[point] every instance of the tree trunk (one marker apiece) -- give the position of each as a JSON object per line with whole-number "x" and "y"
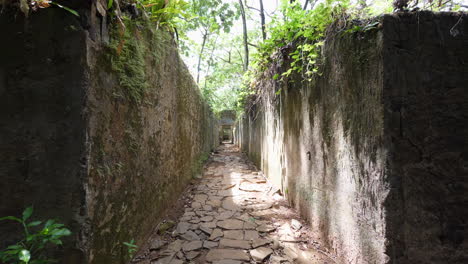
{"x": 246, "y": 41}
{"x": 305, "y": 5}
{"x": 262, "y": 19}
{"x": 209, "y": 61}
{"x": 205, "y": 36}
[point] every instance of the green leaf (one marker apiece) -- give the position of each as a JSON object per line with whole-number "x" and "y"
{"x": 130, "y": 245}
{"x": 56, "y": 241}
{"x": 49, "y": 223}
{"x": 61, "y": 232}
{"x": 35, "y": 223}
{"x": 109, "y": 4}
{"x": 14, "y": 247}
{"x": 371, "y": 26}
{"x": 11, "y": 218}
{"x": 27, "y": 213}
{"x": 24, "y": 256}
{"x": 67, "y": 8}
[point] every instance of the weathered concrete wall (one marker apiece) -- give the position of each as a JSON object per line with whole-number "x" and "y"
{"x": 335, "y": 145}
{"x": 100, "y": 128}
{"x": 42, "y": 127}
{"x": 426, "y": 125}
{"x": 142, "y": 154}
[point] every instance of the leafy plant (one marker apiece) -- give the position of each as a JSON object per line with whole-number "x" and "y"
{"x": 131, "y": 248}
{"x": 165, "y": 13}
{"x": 304, "y": 31}
{"x": 31, "y": 249}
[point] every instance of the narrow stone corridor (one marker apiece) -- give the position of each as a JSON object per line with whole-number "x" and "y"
{"x": 232, "y": 215}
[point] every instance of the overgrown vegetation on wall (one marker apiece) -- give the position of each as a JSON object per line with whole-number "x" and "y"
{"x": 127, "y": 59}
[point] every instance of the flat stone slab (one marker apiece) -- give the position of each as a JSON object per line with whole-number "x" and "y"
{"x": 209, "y": 244}
{"x": 196, "y": 205}
{"x": 200, "y": 197}
{"x": 214, "y": 203}
{"x": 227, "y": 261}
{"x": 231, "y": 224}
{"x": 207, "y": 218}
{"x": 192, "y": 254}
{"x": 157, "y": 244}
{"x": 250, "y": 187}
{"x": 261, "y": 253}
{"x": 185, "y": 218}
{"x": 260, "y": 242}
{"x": 225, "y": 215}
{"x": 251, "y": 235}
{"x": 215, "y": 198}
{"x": 229, "y": 204}
{"x": 277, "y": 259}
{"x": 234, "y": 243}
{"x": 182, "y": 227}
{"x": 210, "y": 225}
{"x": 223, "y": 254}
{"x": 291, "y": 253}
{"x": 190, "y": 236}
{"x": 168, "y": 260}
{"x": 193, "y": 245}
{"x": 206, "y": 230}
{"x": 234, "y": 234}
{"x": 216, "y": 233}
{"x": 266, "y": 228}
{"x": 250, "y": 225}
{"x": 195, "y": 221}
{"x": 225, "y": 193}
{"x": 176, "y": 245}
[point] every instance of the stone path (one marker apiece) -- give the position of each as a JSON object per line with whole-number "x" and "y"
{"x": 232, "y": 215}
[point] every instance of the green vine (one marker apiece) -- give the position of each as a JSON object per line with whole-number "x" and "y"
{"x": 304, "y": 31}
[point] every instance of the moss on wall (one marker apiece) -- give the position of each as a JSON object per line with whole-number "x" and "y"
{"x": 147, "y": 124}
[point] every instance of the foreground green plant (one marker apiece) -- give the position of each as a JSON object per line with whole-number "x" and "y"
{"x": 131, "y": 248}
{"x": 31, "y": 249}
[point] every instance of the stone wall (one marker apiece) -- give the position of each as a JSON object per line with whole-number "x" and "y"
{"x": 372, "y": 151}
{"x": 101, "y": 128}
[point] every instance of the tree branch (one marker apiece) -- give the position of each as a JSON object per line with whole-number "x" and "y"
{"x": 253, "y": 45}
{"x": 253, "y": 8}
